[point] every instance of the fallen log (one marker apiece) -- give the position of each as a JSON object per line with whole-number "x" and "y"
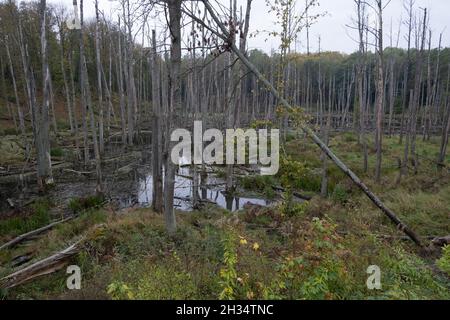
{"x": 295, "y": 194}
{"x": 46, "y": 266}
{"x": 441, "y": 241}
{"x": 21, "y": 260}
{"x": 12, "y": 178}
{"x": 80, "y": 173}
{"x": 188, "y": 199}
{"x": 33, "y": 233}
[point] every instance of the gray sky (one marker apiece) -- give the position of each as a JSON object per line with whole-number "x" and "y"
{"x": 332, "y": 27}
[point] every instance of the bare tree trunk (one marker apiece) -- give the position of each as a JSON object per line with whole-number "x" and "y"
{"x": 99, "y": 80}
{"x": 88, "y": 106}
{"x": 174, "y": 107}
{"x": 16, "y": 96}
{"x": 416, "y": 97}
{"x": 404, "y": 122}
{"x": 63, "y": 72}
{"x": 380, "y": 93}
{"x": 42, "y": 138}
{"x": 230, "y": 102}
{"x": 11, "y": 113}
{"x": 392, "y": 94}
{"x": 120, "y": 84}
{"x": 157, "y": 169}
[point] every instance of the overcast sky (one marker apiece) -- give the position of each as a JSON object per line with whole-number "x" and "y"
{"x": 331, "y": 27}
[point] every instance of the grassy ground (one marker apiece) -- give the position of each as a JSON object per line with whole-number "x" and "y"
{"x": 315, "y": 250}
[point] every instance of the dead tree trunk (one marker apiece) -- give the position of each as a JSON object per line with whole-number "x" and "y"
{"x": 174, "y": 107}
{"x": 99, "y": 80}
{"x": 156, "y": 131}
{"x": 380, "y": 93}
{"x": 446, "y": 126}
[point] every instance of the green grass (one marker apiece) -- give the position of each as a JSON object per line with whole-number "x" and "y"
{"x": 78, "y": 205}
{"x": 57, "y": 152}
{"x": 38, "y": 217}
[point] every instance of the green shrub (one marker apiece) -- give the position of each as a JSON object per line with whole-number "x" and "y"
{"x": 297, "y": 175}
{"x": 228, "y": 273}
{"x": 18, "y": 225}
{"x": 406, "y": 276}
{"x": 315, "y": 270}
{"x": 57, "y": 152}
{"x": 262, "y": 184}
{"x": 78, "y": 205}
{"x": 340, "y": 194}
{"x": 444, "y": 262}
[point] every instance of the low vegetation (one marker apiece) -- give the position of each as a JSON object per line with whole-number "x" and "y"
{"x": 319, "y": 249}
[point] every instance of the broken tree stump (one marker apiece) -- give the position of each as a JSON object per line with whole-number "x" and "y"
{"x": 46, "y": 266}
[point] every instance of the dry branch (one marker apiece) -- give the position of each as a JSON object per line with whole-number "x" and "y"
{"x": 46, "y": 266}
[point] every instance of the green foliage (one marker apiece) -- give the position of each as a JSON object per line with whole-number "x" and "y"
{"x": 10, "y": 132}
{"x": 38, "y": 217}
{"x": 57, "y": 152}
{"x": 261, "y": 124}
{"x": 166, "y": 281}
{"x": 444, "y": 262}
{"x": 340, "y": 194}
{"x": 228, "y": 274}
{"x": 295, "y": 209}
{"x": 316, "y": 271}
{"x": 120, "y": 291}
{"x": 262, "y": 184}
{"x": 349, "y": 137}
{"x": 297, "y": 175}
{"x": 78, "y": 205}
{"x": 405, "y": 276}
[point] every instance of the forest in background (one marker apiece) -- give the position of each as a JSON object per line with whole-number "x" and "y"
{"x": 73, "y": 100}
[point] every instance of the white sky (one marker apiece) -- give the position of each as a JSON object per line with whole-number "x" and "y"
{"x": 332, "y": 27}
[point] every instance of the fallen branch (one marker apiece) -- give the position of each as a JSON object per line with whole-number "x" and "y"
{"x": 46, "y": 266}
{"x": 80, "y": 173}
{"x": 33, "y": 233}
